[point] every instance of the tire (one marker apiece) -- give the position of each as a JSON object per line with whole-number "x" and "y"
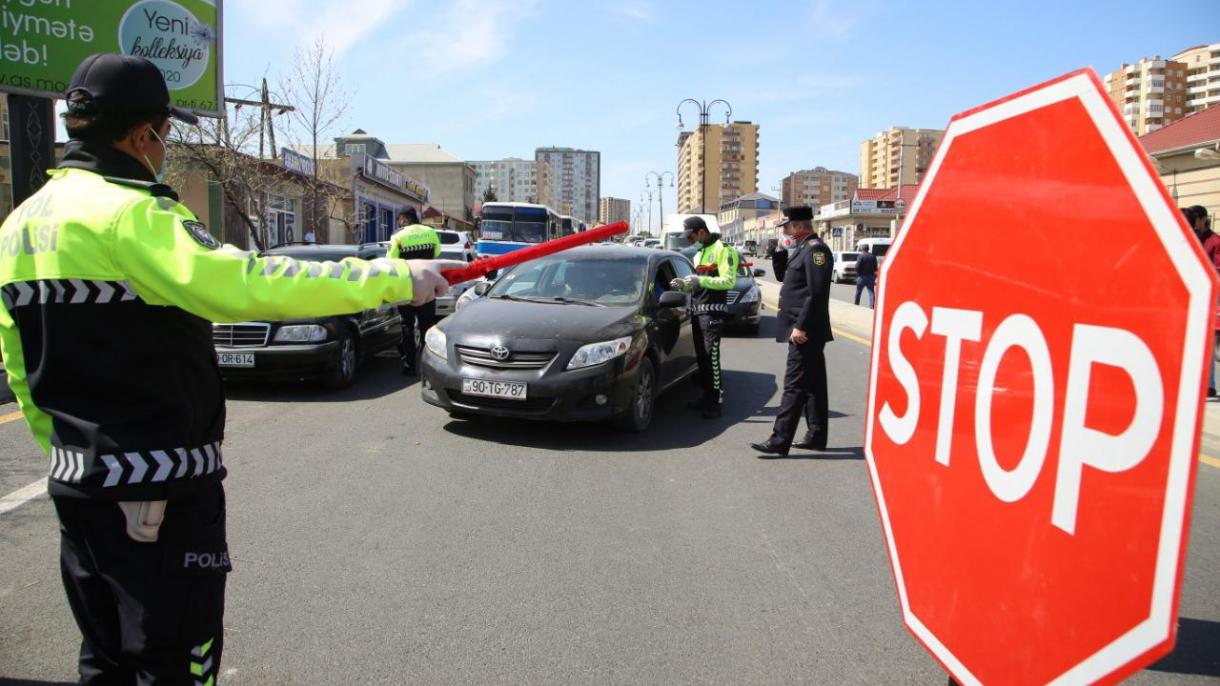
{"x": 643, "y": 400}
{"x": 344, "y": 372}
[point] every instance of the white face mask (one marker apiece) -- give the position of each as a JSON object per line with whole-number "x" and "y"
{"x": 158, "y": 173}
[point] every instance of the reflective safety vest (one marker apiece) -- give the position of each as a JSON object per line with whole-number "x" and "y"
{"x": 716, "y": 265}
{"x": 415, "y": 242}
{"x": 109, "y": 287}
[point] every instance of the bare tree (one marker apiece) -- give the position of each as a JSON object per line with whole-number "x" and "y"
{"x": 222, "y": 148}
{"x": 314, "y": 88}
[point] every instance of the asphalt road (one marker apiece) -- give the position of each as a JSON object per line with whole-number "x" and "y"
{"x": 377, "y": 541}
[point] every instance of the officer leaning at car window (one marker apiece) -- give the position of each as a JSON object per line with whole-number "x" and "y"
{"x": 715, "y": 273}
{"x": 109, "y": 286}
{"x": 804, "y": 322}
{"x": 414, "y": 241}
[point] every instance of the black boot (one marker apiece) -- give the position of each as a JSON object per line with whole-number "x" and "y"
{"x": 771, "y": 448}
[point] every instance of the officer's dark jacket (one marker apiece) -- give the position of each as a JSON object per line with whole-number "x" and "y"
{"x": 109, "y": 286}
{"x": 804, "y": 299}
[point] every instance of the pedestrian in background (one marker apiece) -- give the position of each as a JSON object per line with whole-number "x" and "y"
{"x": 1196, "y": 217}
{"x": 804, "y": 322}
{"x": 106, "y": 333}
{"x": 414, "y": 241}
{"x": 866, "y": 276}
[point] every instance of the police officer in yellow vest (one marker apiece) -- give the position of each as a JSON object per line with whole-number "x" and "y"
{"x": 109, "y": 287}
{"x": 715, "y": 273}
{"x": 414, "y": 241}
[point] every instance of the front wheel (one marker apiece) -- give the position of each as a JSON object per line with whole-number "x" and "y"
{"x": 643, "y": 400}
{"x": 345, "y": 365}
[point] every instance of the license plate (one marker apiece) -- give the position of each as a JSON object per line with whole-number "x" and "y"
{"x": 507, "y": 390}
{"x": 235, "y": 359}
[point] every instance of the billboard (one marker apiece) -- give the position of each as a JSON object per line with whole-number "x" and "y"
{"x": 44, "y": 40}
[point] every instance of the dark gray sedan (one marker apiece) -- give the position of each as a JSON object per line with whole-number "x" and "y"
{"x": 592, "y": 333}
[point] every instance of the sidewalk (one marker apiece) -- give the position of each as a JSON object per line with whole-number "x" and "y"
{"x": 855, "y": 323}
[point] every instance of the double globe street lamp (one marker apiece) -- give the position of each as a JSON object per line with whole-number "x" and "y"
{"x": 704, "y": 112}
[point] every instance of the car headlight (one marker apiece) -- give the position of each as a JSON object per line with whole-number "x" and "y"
{"x": 597, "y": 353}
{"x": 300, "y": 333}
{"x": 436, "y": 341}
{"x": 750, "y": 296}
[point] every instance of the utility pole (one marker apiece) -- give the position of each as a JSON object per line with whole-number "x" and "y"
{"x": 265, "y": 124}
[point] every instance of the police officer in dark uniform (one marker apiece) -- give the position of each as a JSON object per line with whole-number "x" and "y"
{"x": 109, "y": 287}
{"x": 804, "y": 322}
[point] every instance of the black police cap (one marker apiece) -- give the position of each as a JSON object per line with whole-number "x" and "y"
{"x": 693, "y": 224}
{"x": 122, "y": 84}
{"x": 800, "y": 213}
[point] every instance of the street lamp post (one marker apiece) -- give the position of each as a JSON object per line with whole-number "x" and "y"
{"x": 648, "y": 192}
{"x": 660, "y": 194}
{"x": 704, "y": 111}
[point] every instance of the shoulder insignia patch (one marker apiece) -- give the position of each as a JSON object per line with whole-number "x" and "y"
{"x": 200, "y": 234}
{"x": 819, "y": 258}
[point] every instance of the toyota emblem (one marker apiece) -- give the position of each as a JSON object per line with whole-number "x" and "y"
{"x": 500, "y": 353}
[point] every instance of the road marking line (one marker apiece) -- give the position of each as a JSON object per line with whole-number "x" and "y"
{"x": 21, "y": 496}
{"x": 851, "y": 337}
{"x": 1210, "y": 461}
{"x": 10, "y": 417}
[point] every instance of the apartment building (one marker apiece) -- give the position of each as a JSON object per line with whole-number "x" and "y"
{"x": 612, "y": 210}
{"x": 1202, "y": 64}
{"x": 576, "y": 188}
{"x": 716, "y": 165}
{"x": 897, "y": 156}
{"x": 514, "y": 180}
{"x": 1150, "y": 93}
{"x": 818, "y": 186}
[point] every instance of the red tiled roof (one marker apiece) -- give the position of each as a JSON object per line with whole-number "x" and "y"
{"x": 1195, "y": 129}
{"x": 909, "y": 191}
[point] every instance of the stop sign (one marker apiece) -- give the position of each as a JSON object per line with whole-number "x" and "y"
{"x": 1035, "y": 394}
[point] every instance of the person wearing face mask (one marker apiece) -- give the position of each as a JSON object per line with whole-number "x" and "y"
{"x": 716, "y": 273}
{"x": 804, "y": 324}
{"x": 109, "y": 286}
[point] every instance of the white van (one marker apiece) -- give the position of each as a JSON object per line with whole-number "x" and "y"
{"x": 671, "y": 229}
{"x": 877, "y": 246}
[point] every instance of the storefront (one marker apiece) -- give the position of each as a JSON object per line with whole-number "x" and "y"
{"x": 843, "y": 223}
{"x": 380, "y": 192}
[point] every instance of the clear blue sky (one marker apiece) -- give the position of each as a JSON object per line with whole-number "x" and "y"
{"x": 496, "y": 78}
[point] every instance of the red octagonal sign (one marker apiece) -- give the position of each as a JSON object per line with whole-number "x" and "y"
{"x": 1036, "y": 391}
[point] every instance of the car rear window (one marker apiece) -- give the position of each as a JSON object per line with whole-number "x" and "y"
{"x": 849, "y": 256}
{"x": 448, "y": 237}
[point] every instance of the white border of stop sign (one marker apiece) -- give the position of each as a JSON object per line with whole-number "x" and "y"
{"x": 1162, "y": 216}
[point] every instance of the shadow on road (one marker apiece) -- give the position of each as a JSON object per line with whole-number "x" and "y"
{"x": 673, "y": 425}
{"x": 1197, "y": 652}
{"x": 5, "y": 681}
{"x": 375, "y": 378}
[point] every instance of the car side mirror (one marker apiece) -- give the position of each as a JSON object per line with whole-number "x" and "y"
{"x": 672, "y": 299}
{"x": 481, "y": 288}
{"x": 760, "y": 272}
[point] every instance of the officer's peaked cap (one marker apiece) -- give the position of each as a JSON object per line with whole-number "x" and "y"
{"x": 122, "y": 84}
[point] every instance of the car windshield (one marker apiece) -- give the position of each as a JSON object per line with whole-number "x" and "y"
{"x": 496, "y": 230}
{"x": 612, "y": 282}
{"x": 530, "y": 232}
{"x": 675, "y": 241}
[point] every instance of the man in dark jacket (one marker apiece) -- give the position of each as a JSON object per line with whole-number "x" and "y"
{"x": 866, "y": 276}
{"x": 804, "y": 322}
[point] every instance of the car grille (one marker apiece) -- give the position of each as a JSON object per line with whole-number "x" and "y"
{"x": 732, "y": 297}
{"x": 480, "y": 357}
{"x": 245, "y": 335}
{"x": 529, "y": 404}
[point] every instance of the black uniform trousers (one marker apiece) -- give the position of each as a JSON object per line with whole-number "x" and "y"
{"x": 149, "y": 613}
{"x": 425, "y": 317}
{"x": 805, "y": 394}
{"x": 708, "y": 329}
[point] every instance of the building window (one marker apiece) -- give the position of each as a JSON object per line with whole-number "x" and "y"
{"x": 282, "y": 218}
{"x": 354, "y": 148}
